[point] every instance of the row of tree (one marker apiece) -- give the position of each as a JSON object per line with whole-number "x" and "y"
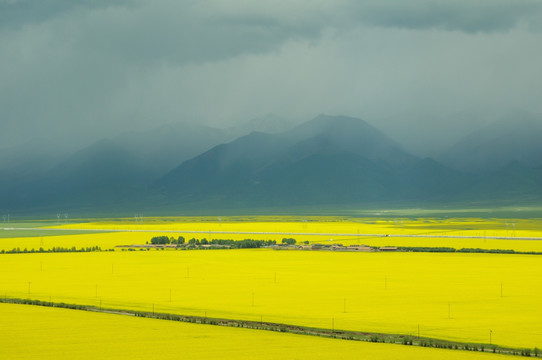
{"x": 239, "y": 244}
{"x": 163, "y": 240}
{"x": 53, "y": 249}
{"x": 466, "y": 250}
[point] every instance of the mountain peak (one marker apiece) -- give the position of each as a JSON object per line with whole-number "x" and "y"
{"x": 326, "y": 133}
{"x": 330, "y": 123}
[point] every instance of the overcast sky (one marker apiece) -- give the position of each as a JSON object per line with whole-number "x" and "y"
{"x": 96, "y": 67}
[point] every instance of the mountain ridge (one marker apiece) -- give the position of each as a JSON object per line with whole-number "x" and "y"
{"x": 326, "y": 160}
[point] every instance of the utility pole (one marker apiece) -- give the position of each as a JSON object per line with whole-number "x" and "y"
{"x": 344, "y": 305}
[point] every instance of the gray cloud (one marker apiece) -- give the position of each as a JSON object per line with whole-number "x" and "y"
{"x": 192, "y": 31}
{"x": 17, "y": 13}
{"x": 173, "y": 31}
{"x": 466, "y": 16}
{"x": 92, "y": 68}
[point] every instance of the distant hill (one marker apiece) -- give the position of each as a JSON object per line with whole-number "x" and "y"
{"x": 167, "y": 146}
{"x": 427, "y": 135}
{"x": 223, "y": 170}
{"x": 330, "y": 159}
{"x": 32, "y": 158}
{"x": 514, "y": 182}
{"x": 513, "y": 138}
{"x": 47, "y": 172}
{"x": 98, "y": 174}
{"x": 332, "y": 134}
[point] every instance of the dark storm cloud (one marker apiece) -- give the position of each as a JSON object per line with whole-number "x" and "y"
{"x": 192, "y": 31}
{"x": 182, "y": 37}
{"x": 97, "y": 67}
{"x": 459, "y": 15}
{"x": 189, "y": 31}
{"x": 195, "y": 32}
{"x": 17, "y": 13}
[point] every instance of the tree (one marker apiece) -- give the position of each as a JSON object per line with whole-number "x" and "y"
{"x": 160, "y": 240}
{"x": 288, "y": 241}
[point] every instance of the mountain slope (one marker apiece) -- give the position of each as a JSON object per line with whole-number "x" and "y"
{"x": 325, "y": 178}
{"x": 167, "y": 146}
{"x": 326, "y": 160}
{"x": 224, "y": 169}
{"x": 331, "y": 134}
{"x": 427, "y": 135}
{"x": 515, "y": 182}
{"x": 98, "y": 174}
{"x": 513, "y": 138}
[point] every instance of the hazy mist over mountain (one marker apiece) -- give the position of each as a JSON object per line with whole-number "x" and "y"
{"x": 102, "y": 93}
{"x": 329, "y": 160}
{"x": 86, "y": 70}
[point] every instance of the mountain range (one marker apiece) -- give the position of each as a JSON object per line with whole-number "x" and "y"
{"x": 333, "y": 160}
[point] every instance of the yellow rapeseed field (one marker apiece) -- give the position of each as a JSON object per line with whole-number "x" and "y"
{"x": 31, "y": 332}
{"x": 482, "y": 228}
{"x": 321, "y": 224}
{"x": 103, "y": 240}
{"x": 450, "y": 296}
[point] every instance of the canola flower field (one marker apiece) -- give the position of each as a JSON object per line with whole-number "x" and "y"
{"x": 484, "y": 298}
{"x": 450, "y": 296}
{"x": 67, "y": 334}
{"x": 481, "y": 231}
